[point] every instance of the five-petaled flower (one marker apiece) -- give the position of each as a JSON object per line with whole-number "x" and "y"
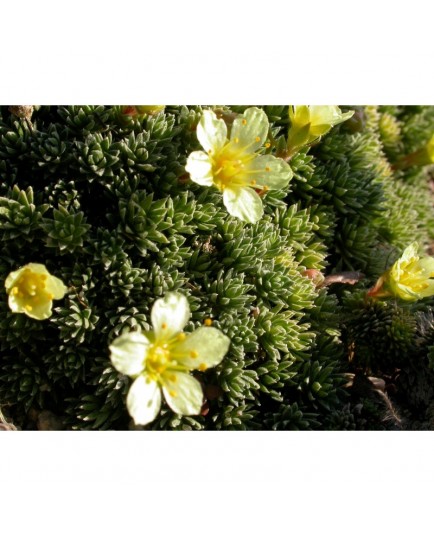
{"x": 233, "y": 165}
{"x": 160, "y": 360}
{"x": 308, "y": 123}
{"x": 410, "y": 278}
{"x": 32, "y": 289}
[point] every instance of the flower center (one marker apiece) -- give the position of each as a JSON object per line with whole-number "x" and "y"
{"x": 229, "y": 166}
{"x": 31, "y": 288}
{"x": 412, "y": 275}
{"x": 157, "y": 359}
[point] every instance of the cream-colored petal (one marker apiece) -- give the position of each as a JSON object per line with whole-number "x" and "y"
{"x": 403, "y": 291}
{"x": 428, "y": 291}
{"x": 170, "y": 315}
{"x": 211, "y": 132}
{"x": 34, "y": 267}
{"x": 323, "y": 118}
{"x": 37, "y": 268}
{"x": 299, "y": 115}
{"x": 128, "y": 353}
{"x": 410, "y": 253}
{"x": 144, "y": 400}
{"x": 16, "y": 305}
{"x": 13, "y": 277}
{"x": 55, "y": 287}
{"x": 269, "y": 171}
{"x": 182, "y": 392}
{"x": 243, "y": 203}
{"x": 316, "y": 131}
{"x": 40, "y": 311}
{"x": 202, "y": 349}
{"x": 324, "y": 115}
{"x": 199, "y": 166}
{"x": 250, "y": 130}
{"x": 426, "y": 264}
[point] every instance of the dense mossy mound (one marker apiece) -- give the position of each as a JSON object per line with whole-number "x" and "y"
{"x": 101, "y": 197}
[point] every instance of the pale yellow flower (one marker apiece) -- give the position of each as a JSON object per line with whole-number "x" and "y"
{"x": 308, "y": 123}
{"x": 32, "y": 289}
{"x": 160, "y": 360}
{"x": 410, "y": 278}
{"x": 233, "y": 165}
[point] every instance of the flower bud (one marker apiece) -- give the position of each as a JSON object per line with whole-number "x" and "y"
{"x": 309, "y": 123}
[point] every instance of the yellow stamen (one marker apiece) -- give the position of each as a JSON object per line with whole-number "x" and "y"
{"x": 236, "y": 140}
{"x": 257, "y": 138}
{"x": 265, "y": 189}
{"x": 267, "y": 169}
{"x": 181, "y": 336}
{"x": 164, "y": 325}
{"x": 268, "y": 145}
{"x": 244, "y": 121}
{"x": 194, "y": 354}
{"x": 202, "y": 367}
{"x": 15, "y": 291}
{"x": 28, "y": 307}
{"x": 172, "y": 393}
{"x": 207, "y": 322}
{"x": 172, "y": 378}
{"x": 253, "y": 182}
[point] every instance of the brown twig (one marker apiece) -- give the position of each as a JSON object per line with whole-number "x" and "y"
{"x": 346, "y": 278}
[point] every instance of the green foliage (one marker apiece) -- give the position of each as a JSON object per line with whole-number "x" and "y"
{"x": 20, "y": 217}
{"x": 103, "y": 200}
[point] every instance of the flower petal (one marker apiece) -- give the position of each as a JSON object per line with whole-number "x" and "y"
{"x": 403, "y": 291}
{"x": 328, "y": 116}
{"x": 211, "y": 132}
{"x": 199, "y": 166}
{"x": 346, "y": 115}
{"x": 315, "y": 131}
{"x": 202, "y": 349}
{"x": 269, "y": 171}
{"x": 428, "y": 290}
{"x": 170, "y": 315}
{"x": 55, "y": 287}
{"x": 182, "y": 392}
{"x": 325, "y": 115}
{"x": 144, "y": 400}
{"x": 243, "y": 203}
{"x": 426, "y": 264}
{"x": 250, "y": 130}
{"x": 410, "y": 253}
{"x": 408, "y": 256}
{"x": 13, "y": 277}
{"x": 40, "y": 310}
{"x": 128, "y": 353}
{"x": 299, "y": 115}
